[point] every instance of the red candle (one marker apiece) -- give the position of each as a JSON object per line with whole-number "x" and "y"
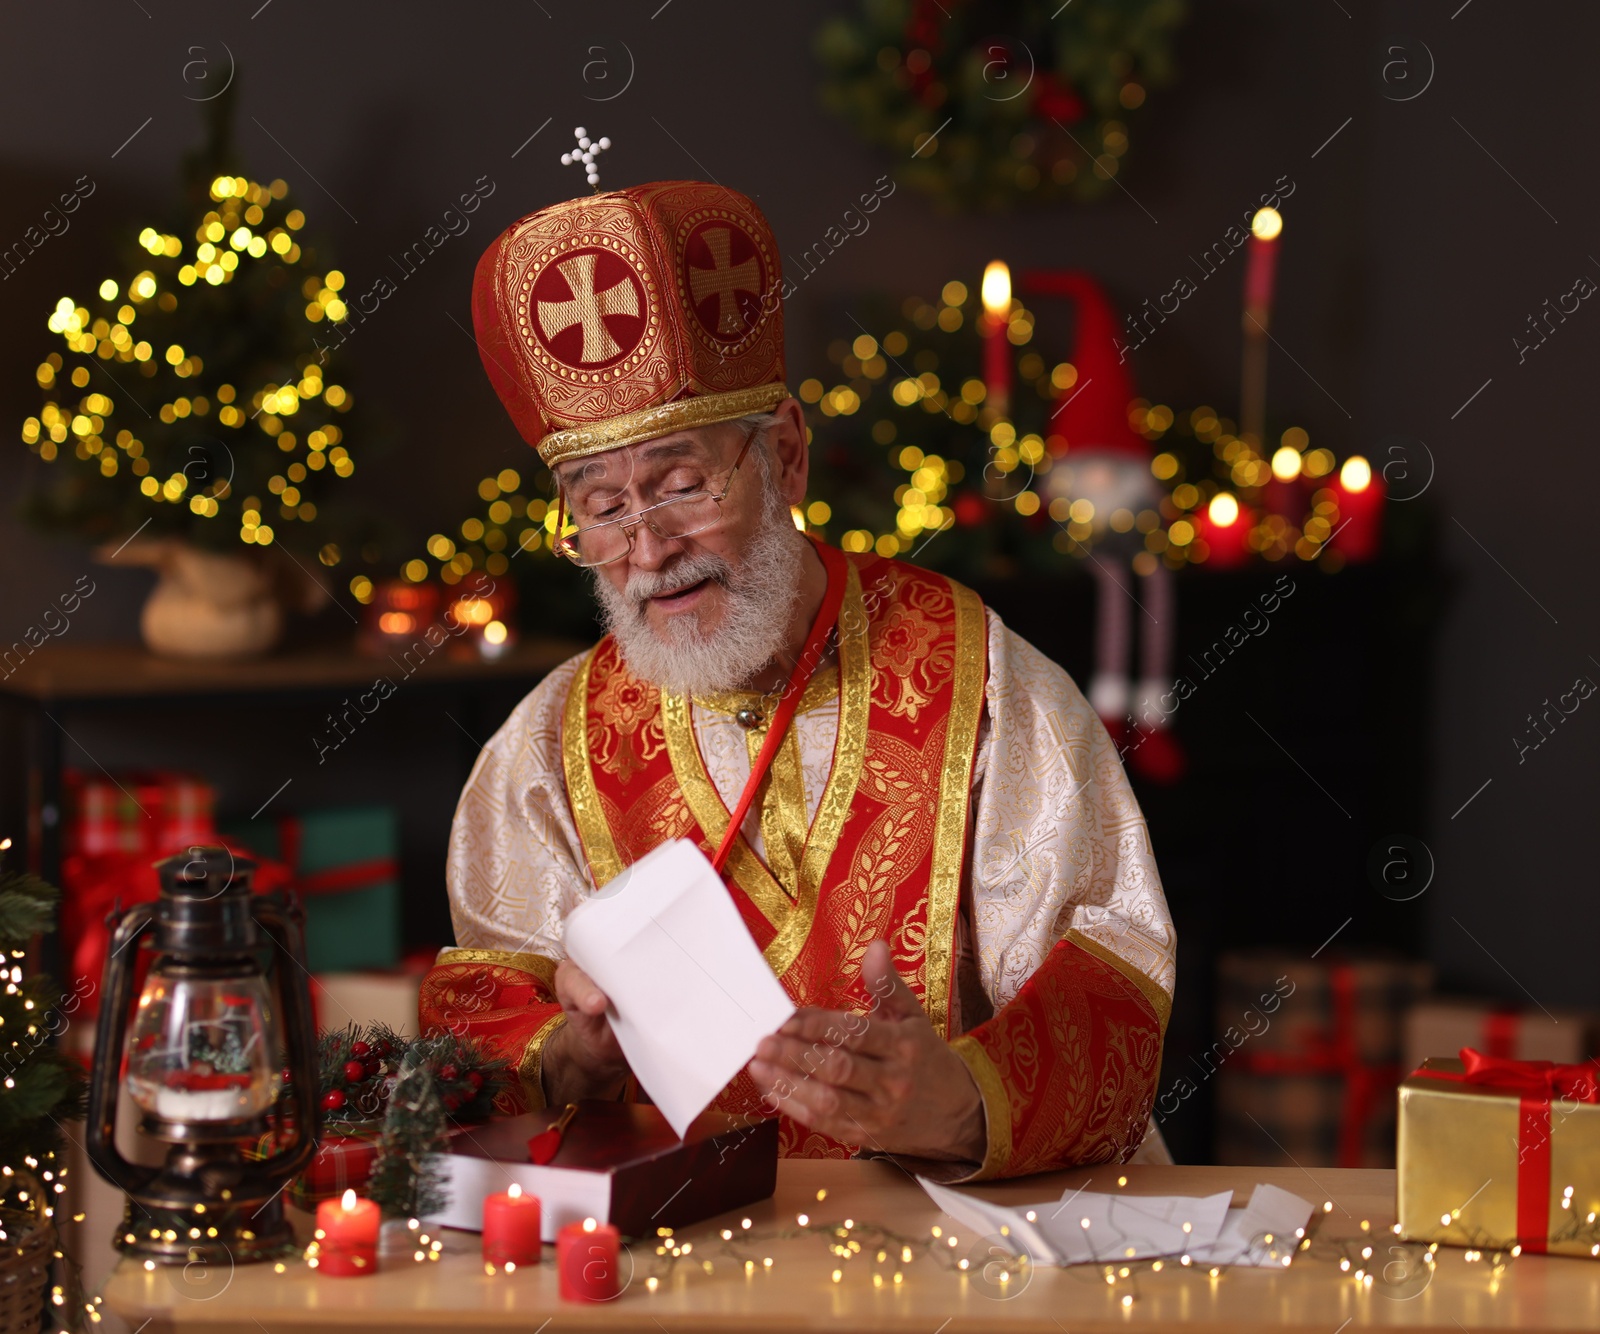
{"x": 996, "y": 293}
{"x": 1225, "y": 527}
{"x": 1261, "y": 263}
{"x": 347, "y": 1236}
{"x": 1358, "y": 531}
{"x": 586, "y": 1254}
{"x": 511, "y": 1229}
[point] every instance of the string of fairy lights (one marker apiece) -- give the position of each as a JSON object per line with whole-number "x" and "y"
{"x": 1213, "y": 476}
{"x": 1367, "y": 1259}
{"x": 136, "y": 325}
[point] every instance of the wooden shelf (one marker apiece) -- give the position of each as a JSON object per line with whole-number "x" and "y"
{"x": 106, "y": 673}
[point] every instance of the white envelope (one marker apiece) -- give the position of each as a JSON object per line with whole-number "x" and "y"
{"x": 691, "y": 994}
{"x": 1136, "y": 1227}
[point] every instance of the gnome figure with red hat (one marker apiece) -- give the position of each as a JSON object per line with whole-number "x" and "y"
{"x": 1099, "y": 458}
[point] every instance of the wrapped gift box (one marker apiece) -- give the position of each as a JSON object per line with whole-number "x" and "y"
{"x": 347, "y": 868}
{"x": 1442, "y": 1026}
{"x": 1307, "y": 1057}
{"x": 118, "y": 827}
{"x": 388, "y": 997}
{"x": 1489, "y": 1150}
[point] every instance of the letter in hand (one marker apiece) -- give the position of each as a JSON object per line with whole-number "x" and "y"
{"x": 582, "y": 1058}
{"x": 885, "y": 1080}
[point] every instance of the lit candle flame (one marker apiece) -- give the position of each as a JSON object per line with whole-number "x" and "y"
{"x": 1224, "y": 512}
{"x": 1356, "y": 475}
{"x": 515, "y": 1190}
{"x": 1266, "y": 224}
{"x": 997, "y": 288}
{"x": 348, "y": 1200}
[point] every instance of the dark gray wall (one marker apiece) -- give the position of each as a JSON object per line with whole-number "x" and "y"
{"x": 1420, "y": 235}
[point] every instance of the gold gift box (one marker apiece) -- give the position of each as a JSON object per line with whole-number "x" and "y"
{"x": 1458, "y": 1160}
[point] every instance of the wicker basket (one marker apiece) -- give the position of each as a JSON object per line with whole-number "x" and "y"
{"x": 25, "y": 1258}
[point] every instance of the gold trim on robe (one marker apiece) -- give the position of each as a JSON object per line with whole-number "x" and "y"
{"x": 536, "y": 965}
{"x": 955, "y": 792}
{"x": 530, "y": 1069}
{"x": 593, "y": 829}
{"x": 996, "y": 1107}
{"x": 1152, "y": 991}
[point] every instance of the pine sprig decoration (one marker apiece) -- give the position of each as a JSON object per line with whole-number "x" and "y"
{"x": 419, "y": 1088}
{"x": 406, "y": 1182}
{"x": 27, "y": 908}
{"x": 40, "y": 1086}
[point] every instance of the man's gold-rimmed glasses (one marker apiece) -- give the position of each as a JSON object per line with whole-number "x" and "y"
{"x": 679, "y": 516}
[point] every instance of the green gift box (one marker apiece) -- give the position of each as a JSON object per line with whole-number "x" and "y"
{"x": 347, "y": 869}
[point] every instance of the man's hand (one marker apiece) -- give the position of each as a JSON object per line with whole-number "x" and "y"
{"x": 884, "y": 1079}
{"x": 581, "y": 1058}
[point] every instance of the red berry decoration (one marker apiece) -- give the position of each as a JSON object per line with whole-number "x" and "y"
{"x": 374, "y": 1067}
{"x": 474, "y": 1079}
{"x": 288, "y": 1075}
{"x": 332, "y": 1100}
{"x": 449, "y": 1073}
{"x": 360, "y": 1049}
{"x": 354, "y": 1072}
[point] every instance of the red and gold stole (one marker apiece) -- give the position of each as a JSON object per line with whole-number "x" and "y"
{"x": 883, "y": 856}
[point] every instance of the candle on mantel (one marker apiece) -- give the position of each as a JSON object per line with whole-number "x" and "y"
{"x": 586, "y": 1255}
{"x": 347, "y": 1236}
{"x": 1225, "y": 525}
{"x": 996, "y": 292}
{"x": 1261, "y": 263}
{"x": 511, "y": 1229}
{"x": 1358, "y": 530}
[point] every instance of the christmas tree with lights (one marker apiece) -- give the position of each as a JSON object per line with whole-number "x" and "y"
{"x": 40, "y": 1086}
{"x": 189, "y": 395}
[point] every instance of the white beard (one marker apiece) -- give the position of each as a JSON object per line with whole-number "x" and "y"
{"x": 758, "y": 601}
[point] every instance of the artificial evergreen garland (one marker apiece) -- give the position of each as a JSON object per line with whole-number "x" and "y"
{"x": 911, "y": 459}
{"x": 988, "y": 104}
{"x": 408, "y": 1093}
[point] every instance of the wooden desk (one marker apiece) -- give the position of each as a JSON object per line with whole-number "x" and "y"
{"x": 455, "y": 1295}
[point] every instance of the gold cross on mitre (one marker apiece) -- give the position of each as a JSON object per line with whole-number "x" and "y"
{"x": 586, "y": 152}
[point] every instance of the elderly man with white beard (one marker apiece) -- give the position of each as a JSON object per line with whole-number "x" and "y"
{"x": 936, "y": 829}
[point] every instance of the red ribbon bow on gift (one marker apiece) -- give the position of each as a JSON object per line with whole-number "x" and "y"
{"x": 1537, "y": 1084}
{"x": 1540, "y": 1079}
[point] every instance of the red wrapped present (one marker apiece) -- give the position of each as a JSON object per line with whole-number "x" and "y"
{"x": 117, "y": 829}
{"x": 1309, "y": 1057}
{"x": 1442, "y": 1026}
{"x": 343, "y": 1161}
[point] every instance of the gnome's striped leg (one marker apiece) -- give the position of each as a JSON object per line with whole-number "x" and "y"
{"x": 1113, "y": 640}
{"x": 1155, "y": 648}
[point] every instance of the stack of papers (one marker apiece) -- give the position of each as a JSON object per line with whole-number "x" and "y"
{"x": 1084, "y": 1228}
{"x": 691, "y": 994}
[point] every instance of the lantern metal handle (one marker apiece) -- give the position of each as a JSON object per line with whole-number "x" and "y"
{"x": 281, "y": 921}
{"x": 110, "y": 1033}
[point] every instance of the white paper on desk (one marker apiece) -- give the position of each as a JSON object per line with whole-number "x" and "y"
{"x": 1130, "y": 1227}
{"x": 691, "y": 994}
{"x": 1271, "y": 1211}
{"x": 1121, "y": 1226}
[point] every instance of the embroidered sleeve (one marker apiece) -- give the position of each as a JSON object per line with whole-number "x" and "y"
{"x": 1074, "y": 943}
{"x": 514, "y": 870}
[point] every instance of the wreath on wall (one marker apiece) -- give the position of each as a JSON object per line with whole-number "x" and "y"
{"x": 989, "y": 104}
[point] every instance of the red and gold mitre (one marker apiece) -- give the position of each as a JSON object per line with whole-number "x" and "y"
{"x": 619, "y": 317}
